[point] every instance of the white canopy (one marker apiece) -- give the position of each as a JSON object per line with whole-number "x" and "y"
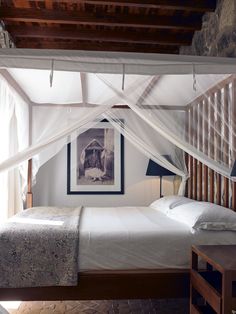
{"x": 67, "y": 91}
{"x": 113, "y": 62}
{"x": 85, "y": 88}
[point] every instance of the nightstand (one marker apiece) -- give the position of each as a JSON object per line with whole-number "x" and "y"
{"x": 213, "y": 289}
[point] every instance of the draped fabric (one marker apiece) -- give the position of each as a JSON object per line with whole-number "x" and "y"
{"x": 176, "y": 105}
{"x": 13, "y": 137}
{"x": 217, "y": 131}
{"x": 147, "y": 140}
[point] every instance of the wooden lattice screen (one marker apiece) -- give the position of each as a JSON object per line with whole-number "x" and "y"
{"x": 211, "y": 114}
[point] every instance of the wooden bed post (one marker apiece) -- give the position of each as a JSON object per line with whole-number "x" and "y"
{"x": 234, "y": 196}
{"x": 218, "y": 143}
{"x": 212, "y": 149}
{"x": 195, "y": 141}
{"x": 200, "y": 143}
{"x": 206, "y": 130}
{"x": 226, "y": 142}
{"x": 233, "y": 140}
{"x": 190, "y": 185}
{"x": 29, "y": 196}
{"x": 186, "y": 154}
{"x": 187, "y": 166}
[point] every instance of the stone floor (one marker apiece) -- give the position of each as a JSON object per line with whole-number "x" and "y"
{"x": 110, "y": 307}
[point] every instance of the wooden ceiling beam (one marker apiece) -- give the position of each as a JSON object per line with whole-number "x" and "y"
{"x": 32, "y": 43}
{"x": 107, "y": 19}
{"x": 186, "y": 5}
{"x": 161, "y": 37}
{"x": 183, "y": 5}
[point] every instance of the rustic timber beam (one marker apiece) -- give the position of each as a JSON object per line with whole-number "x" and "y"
{"x": 185, "y": 5}
{"x": 104, "y": 19}
{"x": 34, "y": 43}
{"x": 161, "y": 37}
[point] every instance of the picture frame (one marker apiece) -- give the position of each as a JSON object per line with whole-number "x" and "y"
{"x": 95, "y": 161}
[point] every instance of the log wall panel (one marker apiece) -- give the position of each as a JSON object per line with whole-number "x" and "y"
{"x": 187, "y": 183}
{"x": 195, "y": 187}
{"x": 190, "y": 191}
{"x": 199, "y": 175}
{"x": 187, "y": 155}
{"x": 205, "y": 150}
{"x": 233, "y": 117}
{"x": 200, "y": 147}
{"x": 195, "y": 144}
{"x": 190, "y": 157}
{"x": 218, "y": 144}
{"x": 212, "y": 147}
{"x": 216, "y": 116}
{"x": 226, "y": 143}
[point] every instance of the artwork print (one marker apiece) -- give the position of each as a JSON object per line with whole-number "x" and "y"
{"x": 95, "y": 161}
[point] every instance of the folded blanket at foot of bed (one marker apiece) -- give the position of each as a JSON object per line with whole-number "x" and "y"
{"x": 39, "y": 247}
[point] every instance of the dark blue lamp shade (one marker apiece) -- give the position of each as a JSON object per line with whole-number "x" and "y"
{"x": 154, "y": 169}
{"x": 233, "y": 170}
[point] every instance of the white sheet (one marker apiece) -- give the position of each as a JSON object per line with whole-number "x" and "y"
{"x": 124, "y": 238}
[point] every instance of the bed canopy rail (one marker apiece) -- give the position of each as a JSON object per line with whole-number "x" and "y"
{"x": 215, "y": 108}
{"x": 29, "y": 195}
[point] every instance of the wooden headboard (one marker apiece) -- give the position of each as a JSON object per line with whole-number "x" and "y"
{"x": 204, "y": 184}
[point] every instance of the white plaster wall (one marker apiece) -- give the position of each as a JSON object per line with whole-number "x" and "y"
{"x": 140, "y": 190}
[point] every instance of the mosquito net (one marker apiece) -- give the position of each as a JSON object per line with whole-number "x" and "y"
{"x": 164, "y": 105}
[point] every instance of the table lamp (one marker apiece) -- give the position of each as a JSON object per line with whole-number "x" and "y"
{"x": 154, "y": 169}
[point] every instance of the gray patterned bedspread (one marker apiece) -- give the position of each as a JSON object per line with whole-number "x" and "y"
{"x": 39, "y": 247}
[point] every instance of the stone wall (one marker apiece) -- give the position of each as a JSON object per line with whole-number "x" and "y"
{"x": 5, "y": 38}
{"x": 218, "y": 34}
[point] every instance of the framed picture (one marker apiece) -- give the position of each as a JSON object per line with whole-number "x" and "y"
{"x": 95, "y": 161}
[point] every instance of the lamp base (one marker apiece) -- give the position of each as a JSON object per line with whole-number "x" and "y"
{"x": 161, "y": 187}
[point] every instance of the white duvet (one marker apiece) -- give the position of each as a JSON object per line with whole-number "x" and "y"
{"x": 125, "y": 238}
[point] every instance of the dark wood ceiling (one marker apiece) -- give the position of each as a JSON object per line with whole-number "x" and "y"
{"x": 159, "y": 26}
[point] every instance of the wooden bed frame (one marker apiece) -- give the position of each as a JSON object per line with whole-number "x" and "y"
{"x": 202, "y": 185}
{"x": 110, "y": 285}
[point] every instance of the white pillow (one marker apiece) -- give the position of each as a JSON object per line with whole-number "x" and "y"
{"x": 167, "y": 203}
{"x": 204, "y": 215}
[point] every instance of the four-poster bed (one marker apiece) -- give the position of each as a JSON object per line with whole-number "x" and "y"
{"x": 111, "y": 284}
{"x": 152, "y": 283}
